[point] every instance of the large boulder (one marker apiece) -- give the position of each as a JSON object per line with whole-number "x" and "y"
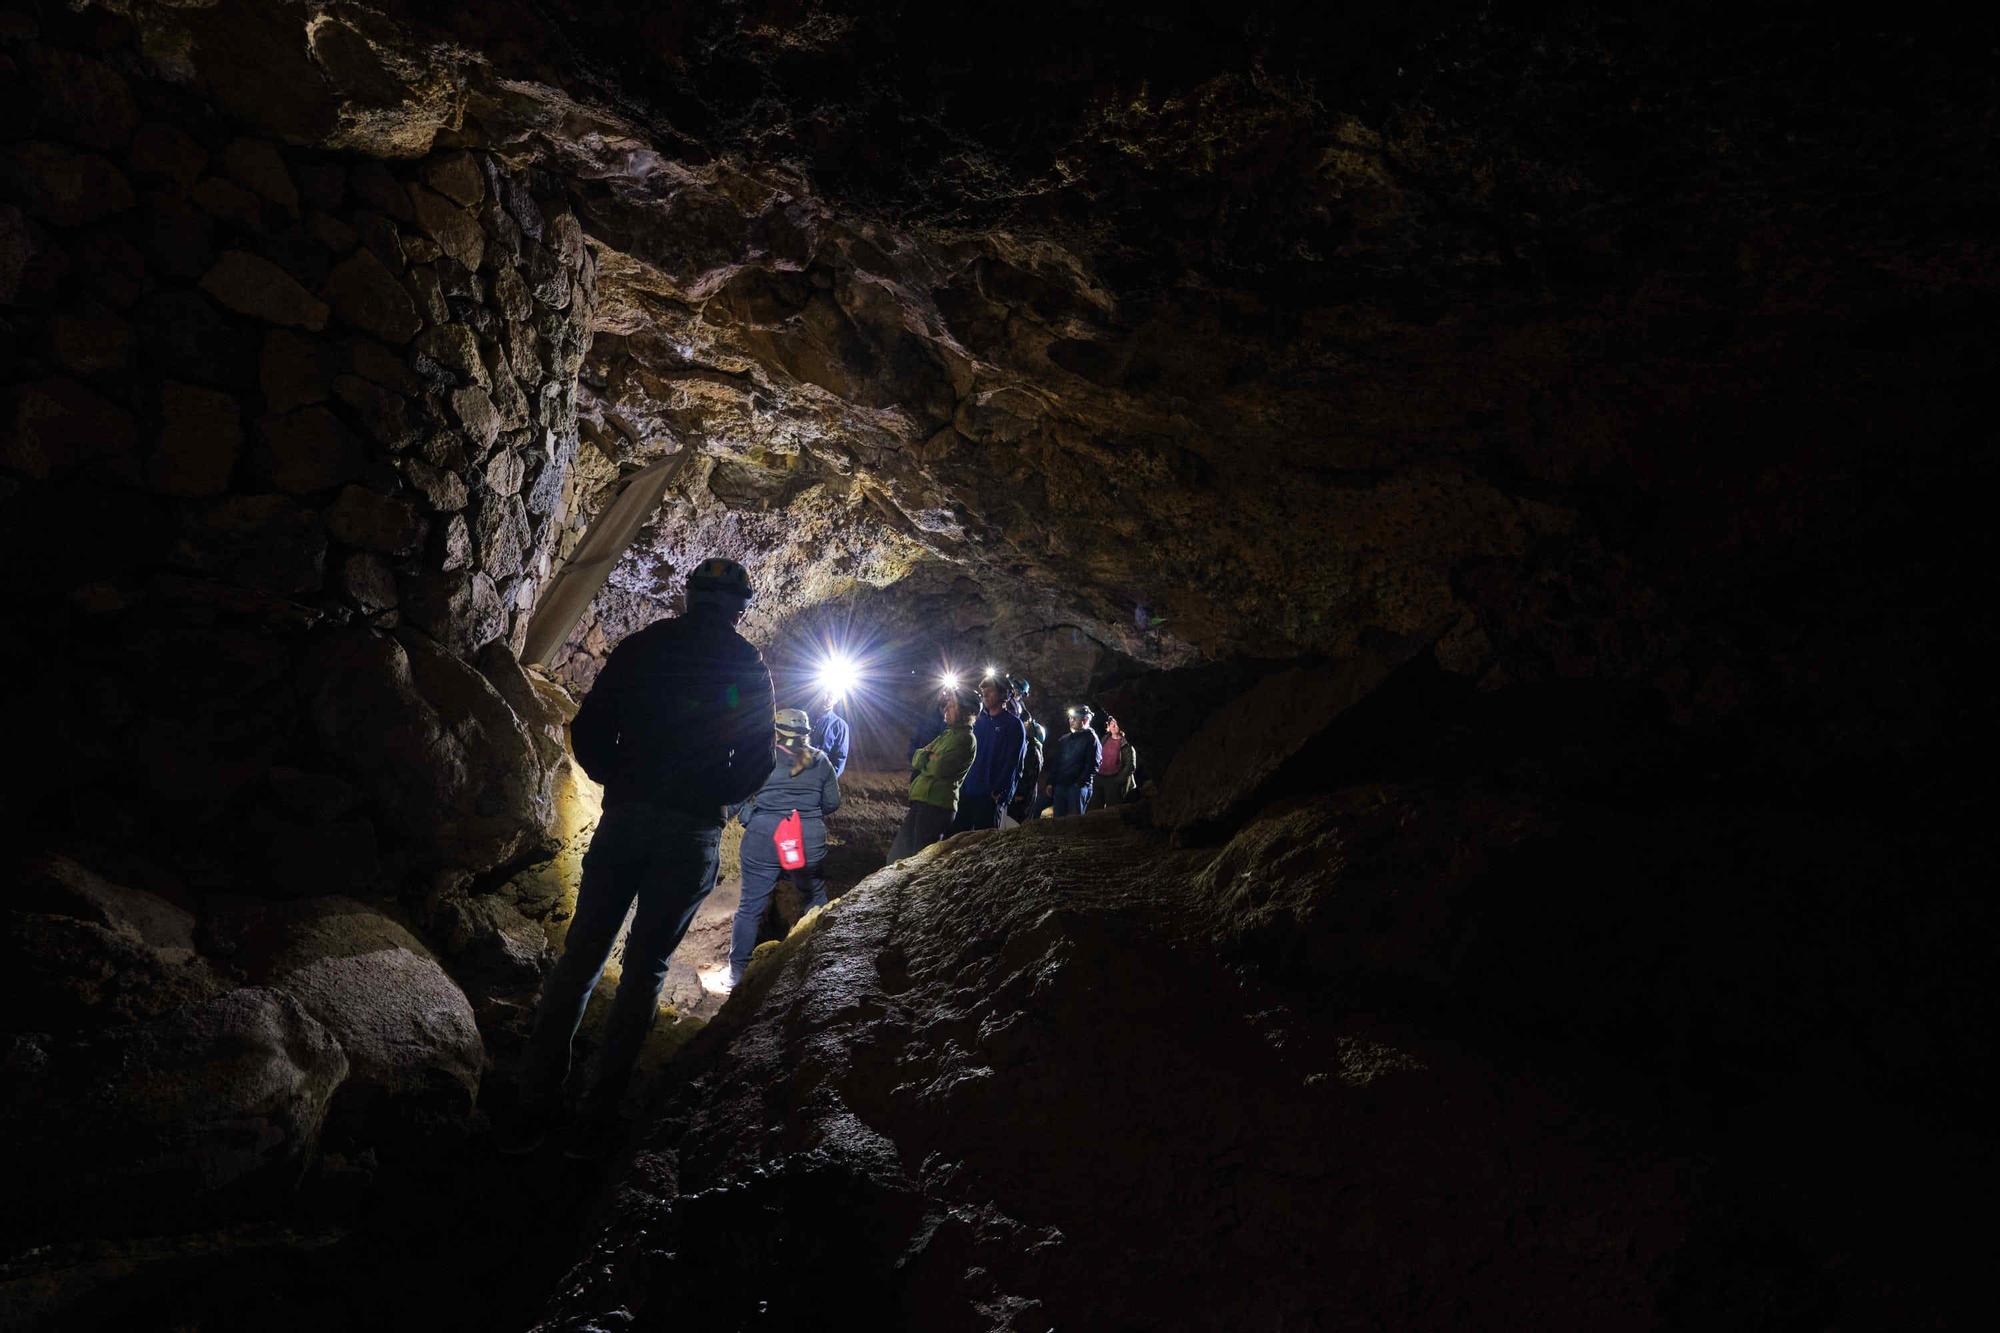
{"x": 200, "y": 1112}
{"x": 446, "y": 764}
{"x": 1241, "y": 757}
{"x": 80, "y": 952}
{"x": 413, "y": 1049}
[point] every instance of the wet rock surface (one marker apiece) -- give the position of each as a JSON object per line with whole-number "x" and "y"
{"x": 1068, "y": 1075}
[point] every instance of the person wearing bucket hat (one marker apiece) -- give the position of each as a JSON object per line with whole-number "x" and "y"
{"x": 937, "y": 771}
{"x": 1072, "y": 764}
{"x": 677, "y": 728}
{"x": 803, "y": 781}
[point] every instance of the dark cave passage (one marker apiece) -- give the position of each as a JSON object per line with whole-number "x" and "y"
{"x": 1514, "y": 482}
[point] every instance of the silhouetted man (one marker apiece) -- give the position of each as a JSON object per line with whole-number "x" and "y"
{"x": 677, "y": 727}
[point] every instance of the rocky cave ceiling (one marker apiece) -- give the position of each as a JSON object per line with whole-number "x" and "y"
{"x": 1207, "y": 332}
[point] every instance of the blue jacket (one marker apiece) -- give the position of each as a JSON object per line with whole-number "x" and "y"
{"x": 829, "y": 736}
{"x": 814, "y": 792}
{"x": 996, "y": 765}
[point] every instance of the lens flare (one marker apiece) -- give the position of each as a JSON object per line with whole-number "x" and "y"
{"x": 948, "y": 681}
{"x": 838, "y": 675}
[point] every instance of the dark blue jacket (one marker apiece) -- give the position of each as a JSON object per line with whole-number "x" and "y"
{"x": 996, "y": 765}
{"x": 1073, "y": 759}
{"x": 829, "y": 737}
{"x": 680, "y": 717}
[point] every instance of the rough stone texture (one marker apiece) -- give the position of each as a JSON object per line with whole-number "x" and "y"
{"x": 256, "y": 287}
{"x": 81, "y": 952}
{"x": 1231, "y": 764}
{"x": 365, "y": 294}
{"x": 64, "y": 187}
{"x": 199, "y": 1111}
{"x": 445, "y": 762}
{"x": 373, "y": 522}
{"x": 413, "y": 1050}
{"x": 198, "y": 445}
{"x": 1018, "y": 1100}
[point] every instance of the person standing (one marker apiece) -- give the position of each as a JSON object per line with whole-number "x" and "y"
{"x": 936, "y": 773}
{"x": 1027, "y": 803}
{"x": 1073, "y": 763}
{"x": 999, "y": 742}
{"x": 1117, "y": 765}
{"x": 677, "y": 728}
{"x": 829, "y": 735}
{"x": 802, "y": 779}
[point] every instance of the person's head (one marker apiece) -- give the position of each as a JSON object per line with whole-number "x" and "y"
{"x": 1079, "y": 716}
{"x": 826, "y": 702}
{"x": 1019, "y": 685}
{"x": 993, "y": 693}
{"x": 718, "y": 586}
{"x": 1111, "y": 727}
{"x": 794, "y": 728}
{"x": 959, "y": 704}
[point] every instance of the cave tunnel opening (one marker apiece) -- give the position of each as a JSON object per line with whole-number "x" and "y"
{"x": 1513, "y": 479}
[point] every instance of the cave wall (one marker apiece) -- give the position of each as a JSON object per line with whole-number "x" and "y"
{"x": 262, "y": 400}
{"x": 289, "y": 439}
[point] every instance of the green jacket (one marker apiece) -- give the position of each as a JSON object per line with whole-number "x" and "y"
{"x": 937, "y": 770}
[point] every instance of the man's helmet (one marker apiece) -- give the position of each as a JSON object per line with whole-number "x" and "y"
{"x": 719, "y": 577}
{"x": 1079, "y": 710}
{"x": 794, "y": 722}
{"x": 1020, "y": 685}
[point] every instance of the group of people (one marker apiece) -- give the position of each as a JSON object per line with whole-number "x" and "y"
{"x": 984, "y": 760}
{"x": 682, "y": 732}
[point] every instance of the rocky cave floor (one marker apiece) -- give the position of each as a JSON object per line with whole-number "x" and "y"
{"x": 446, "y": 1232}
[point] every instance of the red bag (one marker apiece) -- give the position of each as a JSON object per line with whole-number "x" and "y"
{"x": 791, "y": 841}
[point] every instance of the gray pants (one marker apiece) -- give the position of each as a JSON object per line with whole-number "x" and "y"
{"x": 667, "y": 861}
{"x": 924, "y": 825}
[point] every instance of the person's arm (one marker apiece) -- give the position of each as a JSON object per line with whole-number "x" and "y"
{"x": 1096, "y": 759}
{"x": 953, "y": 761}
{"x": 829, "y": 791}
{"x": 593, "y": 732}
{"x": 1128, "y": 764}
{"x": 836, "y": 744}
{"x": 750, "y": 730}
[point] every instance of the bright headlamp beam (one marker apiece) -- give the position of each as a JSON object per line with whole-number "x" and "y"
{"x": 838, "y": 675}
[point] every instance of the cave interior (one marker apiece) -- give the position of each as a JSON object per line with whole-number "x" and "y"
{"x": 1516, "y": 478}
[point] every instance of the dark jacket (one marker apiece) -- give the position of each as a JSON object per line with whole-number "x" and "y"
{"x": 1031, "y": 760}
{"x": 1073, "y": 759}
{"x": 996, "y": 765}
{"x": 829, "y": 736}
{"x": 679, "y": 717}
